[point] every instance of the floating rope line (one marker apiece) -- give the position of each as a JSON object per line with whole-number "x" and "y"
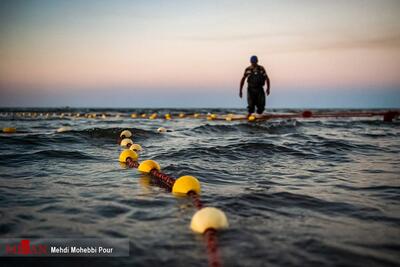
{"x": 387, "y": 116}
{"x": 206, "y": 221}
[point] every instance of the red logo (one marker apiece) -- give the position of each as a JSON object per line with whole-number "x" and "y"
{"x": 24, "y": 248}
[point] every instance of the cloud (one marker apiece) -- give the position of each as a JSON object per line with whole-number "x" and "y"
{"x": 296, "y": 42}
{"x": 376, "y": 42}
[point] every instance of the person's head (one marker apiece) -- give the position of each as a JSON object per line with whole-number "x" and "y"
{"x": 253, "y": 60}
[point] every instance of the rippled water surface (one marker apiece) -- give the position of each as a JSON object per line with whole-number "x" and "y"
{"x": 319, "y": 192}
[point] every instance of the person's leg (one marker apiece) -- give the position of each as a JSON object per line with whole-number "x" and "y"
{"x": 261, "y": 102}
{"x": 250, "y": 101}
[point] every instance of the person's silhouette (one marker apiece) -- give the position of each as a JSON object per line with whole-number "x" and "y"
{"x": 256, "y": 78}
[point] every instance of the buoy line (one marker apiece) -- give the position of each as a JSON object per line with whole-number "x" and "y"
{"x": 387, "y": 116}
{"x": 206, "y": 221}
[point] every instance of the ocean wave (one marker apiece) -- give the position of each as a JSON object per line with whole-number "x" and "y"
{"x": 266, "y": 203}
{"x": 20, "y": 158}
{"x": 112, "y": 132}
{"x": 277, "y": 127}
{"x": 234, "y": 151}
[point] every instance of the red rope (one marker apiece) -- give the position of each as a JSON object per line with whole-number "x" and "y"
{"x": 166, "y": 179}
{"x": 131, "y": 163}
{"x": 196, "y": 200}
{"x": 212, "y": 248}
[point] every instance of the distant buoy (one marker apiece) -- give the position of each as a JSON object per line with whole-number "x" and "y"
{"x": 252, "y": 118}
{"x": 211, "y": 117}
{"x": 181, "y": 115}
{"x": 307, "y": 114}
{"x": 64, "y": 129}
{"x": 126, "y": 143}
{"x": 136, "y": 147}
{"x": 9, "y": 130}
{"x": 104, "y": 116}
{"x": 125, "y": 134}
{"x": 133, "y": 115}
{"x": 390, "y": 115}
{"x": 161, "y": 130}
{"x": 208, "y": 218}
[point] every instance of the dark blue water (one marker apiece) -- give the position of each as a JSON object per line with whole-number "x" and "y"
{"x": 320, "y": 192}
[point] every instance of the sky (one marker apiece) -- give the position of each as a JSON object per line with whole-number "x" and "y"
{"x": 318, "y": 54}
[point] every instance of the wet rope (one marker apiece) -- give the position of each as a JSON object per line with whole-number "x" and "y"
{"x": 132, "y": 164}
{"x": 196, "y": 200}
{"x": 166, "y": 179}
{"x": 212, "y": 248}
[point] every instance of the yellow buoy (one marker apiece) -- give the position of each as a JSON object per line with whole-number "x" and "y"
{"x": 185, "y": 184}
{"x": 208, "y": 218}
{"x": 211, "y": 117}
{"x": 196, "y": 115}
{"x": 167, "y": 116}
{"x": 9, "y": 130}
{"x": 125, "y": 134}
{"x": 127, "y": 153}
{"x": 147, "y": 165}
{"x": 181, "y": 115}
{"x": 136, "y": 147}
{"x": 251, "y": 118}
{"x": 64, "y": 129}
{"x": 133, "y": 115}
{"x": 153, "y": 116}
{"x": 125, "y": 142}
{"x": 144, "y": 115}
{"x": 161, "y": 130}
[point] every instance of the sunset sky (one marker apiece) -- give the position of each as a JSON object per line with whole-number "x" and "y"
{"x": 193, "y": 53}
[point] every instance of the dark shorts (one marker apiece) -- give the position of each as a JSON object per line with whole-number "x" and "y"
{"x": 255, "y": 98}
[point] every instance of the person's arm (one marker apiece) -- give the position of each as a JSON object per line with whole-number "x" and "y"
{"x": 246, "y": 73}
{"x": 241, "y": 86}
{"x": 268, "y": 83}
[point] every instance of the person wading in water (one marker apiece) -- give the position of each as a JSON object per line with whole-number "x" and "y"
{"x": 256, "y": 78}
